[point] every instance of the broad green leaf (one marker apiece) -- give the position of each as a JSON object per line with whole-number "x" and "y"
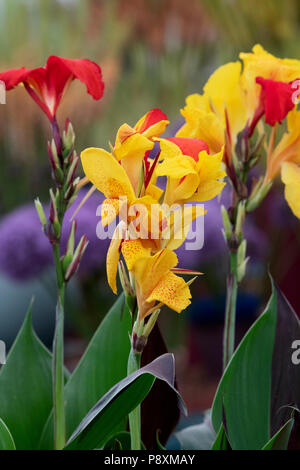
{"x": 221, "y": 442}
{"x": 103, "y": 419}
{"x": 281, "y": 439}
{"x": 103, "y": 364}
{"x": 26, "y": 387}
{"x": 6, "y": 439}
{"x": 245, "y": 388}
{"x": 285, "y": 374}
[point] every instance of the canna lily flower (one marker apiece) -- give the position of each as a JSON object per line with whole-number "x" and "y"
{"x": 120, "y": 175}
{"x": 155, "y": 283}
{"x": 268, "y": 84}
{"x": 193, "y": 176}
{"x": 47, "y": 85}
{"x": 220, "y": 110}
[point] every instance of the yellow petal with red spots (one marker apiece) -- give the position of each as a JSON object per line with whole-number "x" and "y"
{"x": 106, "y": 173}
{"x": 132, "y": 250}
{"x": 290, "y": 174}
{"x": 110, "y": 209}
{"x": 149, "y": 270}
{"x": 172, "y": 291}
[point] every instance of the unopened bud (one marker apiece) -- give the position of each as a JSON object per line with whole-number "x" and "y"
{"x": 41, "y": 213}
{"x": 68, "y": 135}
{"x": 240, "y": 218}
{"x": 226, "y": 223}
{"x": 258, "y": 195}
{"x": 72, "y": 170}
{"x": 242, "y": 260}
{"x": 54, "y": 154}
{"x": 125, "y": 280}
{"x": 53, "y": 216}
{"x": 79, "y": 252}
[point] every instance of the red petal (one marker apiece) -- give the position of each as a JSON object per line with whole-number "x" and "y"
{"x": 151, "y": 118}
{"x": 190, "y": 147}
{"x": 13, "y": 77}
{"x": 60, "y": 70}
{"x": 276, "y": 98}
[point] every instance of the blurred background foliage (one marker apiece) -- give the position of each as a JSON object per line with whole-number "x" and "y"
{"x": 153, "y": 53}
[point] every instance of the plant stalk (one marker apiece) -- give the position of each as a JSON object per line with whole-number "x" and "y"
{"x": 230, "y": 310}
{"x": 134, "y": 363}
{"x": 58, "y": 357}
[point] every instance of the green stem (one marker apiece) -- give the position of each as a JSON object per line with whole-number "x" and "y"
{"x": 58, "y": 357}
{"x": 230, "y": 311}
{"x": 134, "y": 363}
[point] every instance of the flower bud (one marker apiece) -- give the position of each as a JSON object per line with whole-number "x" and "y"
{"x": 54, "y": 216}
{"x": 258, "y": 195}
{"x": 68, "y": 135}
{"x": 74, "y": 265}
{"x": 41, "y": 213}
{"x": 72, "y": 170}
{"x": 240, "y": 218}
{"x": 226, "y": 223}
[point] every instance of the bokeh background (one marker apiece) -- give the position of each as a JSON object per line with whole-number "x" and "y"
{"x": 153, "y": 53}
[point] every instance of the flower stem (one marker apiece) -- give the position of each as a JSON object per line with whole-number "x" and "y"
{"x": 230, "y": 311}
{"x": 134, "y": 363}
{"x": 58, "y": 357}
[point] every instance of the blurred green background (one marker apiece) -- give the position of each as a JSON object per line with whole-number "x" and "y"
{"x": 153, "y": 53}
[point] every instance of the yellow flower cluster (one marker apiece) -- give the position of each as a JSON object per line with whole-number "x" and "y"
{"x": 236, "y": 98}
{"x": 153, "y": 222}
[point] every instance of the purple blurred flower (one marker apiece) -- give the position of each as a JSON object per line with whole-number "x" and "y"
{"x": 25, "y": 250}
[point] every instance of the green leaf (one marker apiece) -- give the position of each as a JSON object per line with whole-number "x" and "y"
{"x": 245, "y": 388}
{"x": 6, "y": 439}
{"x": 281, "y": 439}
{"x": 101, "y": 422}
{"x": 26, "y": 387}
{"x": 221, "y": 442}
{"x": 103, "y": 364}
{"x": 285, "y": 374}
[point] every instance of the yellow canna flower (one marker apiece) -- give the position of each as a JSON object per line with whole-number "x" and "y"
{"x": 135, "y": 199}
{"x": 190, "y": 179}
{"x": 155, "y": 283}
{"x": 260, "y": 63}
{"x": 221, "y": 108}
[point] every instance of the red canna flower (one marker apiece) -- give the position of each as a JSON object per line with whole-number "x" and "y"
{"x": 276, "y": 99}
{"x": 47, "y": 85}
